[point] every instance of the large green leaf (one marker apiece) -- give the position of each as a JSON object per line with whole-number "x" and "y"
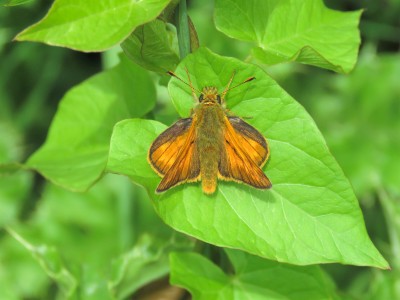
{"x": 309, "y": 216}
{"x": 293, "y": 30}
{"x": 153, "y": 46}
{"x": 76, "y": 150}
{"x": 91, "y": 25}
{"x": 252, "y": 278}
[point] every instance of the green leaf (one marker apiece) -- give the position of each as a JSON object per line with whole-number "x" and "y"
{"x": 90, "y": 25}
{"x": 52, "y": 264}
{"x": 76, "y": 150}
{"x": 309, "y": 216}
{"x": 293, "y": 30}
{"x": 146, "y": 262}
{"x": 252, "y": 278}
{"x": 129, "y": 157}
{"x": 153, "y": 46}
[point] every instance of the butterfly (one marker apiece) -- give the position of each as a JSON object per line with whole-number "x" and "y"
{"x": 209, "y": 145}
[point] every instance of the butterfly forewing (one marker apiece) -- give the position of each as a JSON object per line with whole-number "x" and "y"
{"x": 164, "y": 150}
{"x": 174, "y": 155}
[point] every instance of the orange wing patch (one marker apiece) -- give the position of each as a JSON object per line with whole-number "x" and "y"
{"x": 250, "y": 140}
{"x": 165, "y": 149}
{"x": 245, "y": 151}
{"x": 174, "y": 155}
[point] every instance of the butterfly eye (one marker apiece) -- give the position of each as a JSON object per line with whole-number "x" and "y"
{"x": 201, "y": 97}
{"x": 219, "y": 99}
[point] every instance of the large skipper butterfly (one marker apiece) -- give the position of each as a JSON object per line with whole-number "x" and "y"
{"x": 211, "y": 144}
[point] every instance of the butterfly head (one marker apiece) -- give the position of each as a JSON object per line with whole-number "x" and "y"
{"x": 210, "y": 95}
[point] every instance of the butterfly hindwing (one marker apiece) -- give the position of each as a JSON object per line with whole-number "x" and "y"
{"x": 252, "y": 142}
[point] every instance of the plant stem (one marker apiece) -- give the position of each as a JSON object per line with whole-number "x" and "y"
{"x": 182, "y": 27}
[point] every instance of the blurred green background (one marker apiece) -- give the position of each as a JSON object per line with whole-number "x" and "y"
{"x": 359, "y": 115}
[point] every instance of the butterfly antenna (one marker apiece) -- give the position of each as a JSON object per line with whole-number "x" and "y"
{"x": 189, "y": 84}
{"x": 228, "y": 85}
{"x": 227, "y": 89}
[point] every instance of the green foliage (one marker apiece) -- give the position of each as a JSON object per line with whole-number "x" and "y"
{"x": 365, "y": 143}
{"x": 90, "y": 25}
{"x": 251, "y": 278}
{"x": 13, "y": 2}
{"x": 14, "y": 185}
{"x": 140, "y": 266}
{"x": 301, "y": 170}
{"x": 107, "y": 242}
{"x": 153, "y": 46}
{"x": 374, "y": 90}
{"x": 297, "y": 30}
{"x": 87, "y": 255}
{"x": 359, "y": 118}
{"x": 51, "y": 262}
{"x": 76, "y": 150}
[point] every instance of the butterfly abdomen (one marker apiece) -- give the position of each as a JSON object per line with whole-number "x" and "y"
{"x": 209, "y": 168}
{"x": 209, "y": 136}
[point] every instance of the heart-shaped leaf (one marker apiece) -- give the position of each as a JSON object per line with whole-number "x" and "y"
{"x": 91, "y": 25}
{"x": 76, "y": 150}
{"x": 293, "y": 30}
{"x": 310, "y": 215}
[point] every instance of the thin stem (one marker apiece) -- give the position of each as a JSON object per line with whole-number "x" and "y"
{"x": 182, "y": 27}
